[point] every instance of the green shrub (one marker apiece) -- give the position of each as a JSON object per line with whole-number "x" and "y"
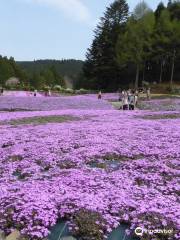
{"x": 57, "y": 88}
{"x": 83, "y": 91}
{"x": 69, "y": 90}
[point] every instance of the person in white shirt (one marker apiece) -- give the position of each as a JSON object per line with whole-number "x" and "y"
{"x": 136, "y": 97}
{"x": 125, "y": 102}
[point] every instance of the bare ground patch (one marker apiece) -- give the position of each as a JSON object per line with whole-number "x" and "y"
{"x": 40, "y": 120}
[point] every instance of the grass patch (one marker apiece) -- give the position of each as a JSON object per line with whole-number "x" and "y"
{"x": 162, "y": 116}
{"x": 160, "y": 96}
{"x": 41, "y": 120}
{"x": 116, "y": 105}
{"x": 16, "y": 110}
{"x": 165, "y": 96}
{"x": 121, "y": 158}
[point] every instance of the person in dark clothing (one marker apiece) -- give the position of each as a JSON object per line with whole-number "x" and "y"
{"x": 99, "y": 95}
{"x": 131, "y": 100}
{"x": 2, "y": 91}
{"x": 35, "y": 93}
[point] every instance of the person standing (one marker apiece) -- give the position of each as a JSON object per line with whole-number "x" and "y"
{"x": 131, "y": 101}
{"x": 100, "y": 95}
{"x": 136, "y": 98}
{"x": 35, "y": 93}
{"x": 49, "y": 93}
{"x": 123, "y": 94}
{"x": 125, "y": 102}
{"x": 2, "y": 91}
{"x": 148, "y": 94}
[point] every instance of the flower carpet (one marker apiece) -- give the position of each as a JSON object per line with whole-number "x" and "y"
{"x": 96, "y": 167}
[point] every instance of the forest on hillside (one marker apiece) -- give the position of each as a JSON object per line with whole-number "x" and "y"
{"x": 61, "y": 72}
{"x": 40, "y": 74}
{"x": 134, "y": 48}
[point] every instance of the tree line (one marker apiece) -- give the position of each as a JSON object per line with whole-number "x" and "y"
{"x": 38, "y": 79}
{"x": 62, "y": 72}
{"x": 8, "y": 69}
{"x": 40, "y": 74}
{"x": 134, "y": 48}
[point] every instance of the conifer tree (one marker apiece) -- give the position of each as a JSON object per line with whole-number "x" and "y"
{"x": 101, "y": 68}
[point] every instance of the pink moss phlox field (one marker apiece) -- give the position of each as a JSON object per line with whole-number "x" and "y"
{"x": 162, "y": 104}
{"x": 51, "y": 171}
{"x": 53, "y": 103}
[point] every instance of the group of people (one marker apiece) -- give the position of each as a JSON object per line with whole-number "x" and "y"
{"x": 129, "y": 99}
{"x": 47, "y": 93}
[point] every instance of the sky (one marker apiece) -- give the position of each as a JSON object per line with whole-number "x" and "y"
{"x": 51, "y": 29}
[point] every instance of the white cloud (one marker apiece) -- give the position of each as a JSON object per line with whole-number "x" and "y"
{"x": 74, "y": 9}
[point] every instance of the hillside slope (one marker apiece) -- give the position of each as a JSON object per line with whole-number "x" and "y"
{"x": 69, "y": 69}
